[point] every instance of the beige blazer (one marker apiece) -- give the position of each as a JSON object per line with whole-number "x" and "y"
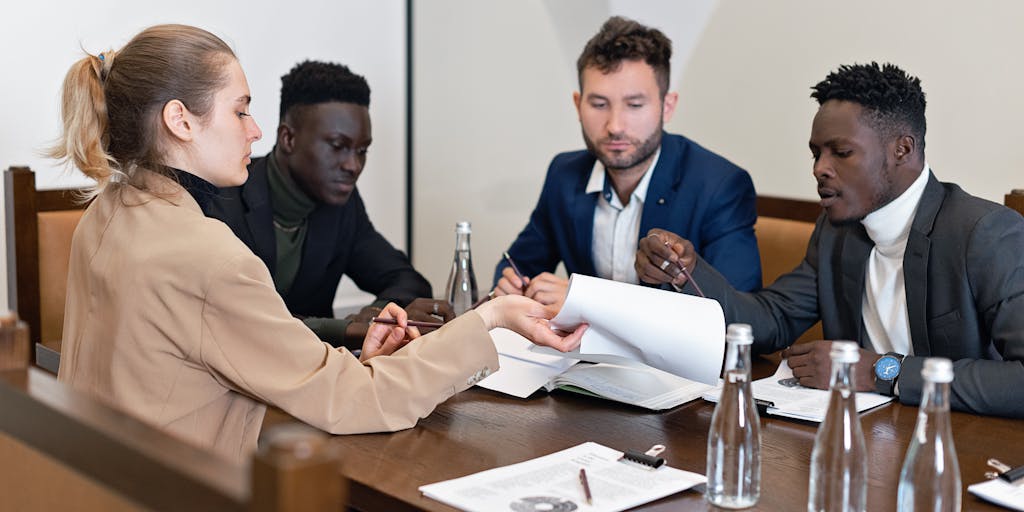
{"x": 172, "y": 319}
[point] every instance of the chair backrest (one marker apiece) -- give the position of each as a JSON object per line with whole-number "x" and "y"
{"x": 783, "y": 229}
{"x": 40, "y": 224}
{"x": 1015, "y": 200}
{"x": 65, "y": 450}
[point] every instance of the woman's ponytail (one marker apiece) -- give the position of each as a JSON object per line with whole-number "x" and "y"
{"x": 84, "y": 138}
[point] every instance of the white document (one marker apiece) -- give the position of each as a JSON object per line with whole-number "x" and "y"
{"x": 520, "y": 370}
{"x": 633, "y": 383}
{"x": 795, "y": 401}
{"x": 552, "y": 482}
{"x": 678, "y": 333}
{"x": 1000, "y": 492}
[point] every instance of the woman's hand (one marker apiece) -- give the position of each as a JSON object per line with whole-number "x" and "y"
{"x": 383, "y": 339}
{"x": 530, "y": 319}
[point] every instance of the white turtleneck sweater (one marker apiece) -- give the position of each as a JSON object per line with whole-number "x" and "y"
{"x": 884, "y": 309}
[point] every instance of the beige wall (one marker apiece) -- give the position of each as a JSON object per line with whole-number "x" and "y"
{"x": 493, "y": 83}
{"x": 42, "y": 39}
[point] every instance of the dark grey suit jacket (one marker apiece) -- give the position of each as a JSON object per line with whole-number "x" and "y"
{"x": 964, "y": 275}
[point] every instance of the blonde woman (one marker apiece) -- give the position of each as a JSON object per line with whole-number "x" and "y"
{"x": 171, "y": 318}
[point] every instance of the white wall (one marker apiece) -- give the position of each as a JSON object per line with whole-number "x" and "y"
{"x": 493, "y": 82}
{"x": 42, "y": 39}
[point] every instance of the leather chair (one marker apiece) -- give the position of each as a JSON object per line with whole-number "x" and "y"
{"x": 1015, "y": 200}
{"x": 783, "y": 229}
{"x": 40, "y": 224}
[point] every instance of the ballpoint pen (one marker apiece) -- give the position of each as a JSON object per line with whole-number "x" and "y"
{"x": 410, "y": 323}
{"x": 515, "y": 269}
{"x": 586, "y": 487}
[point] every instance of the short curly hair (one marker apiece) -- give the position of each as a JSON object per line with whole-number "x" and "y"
{"x": 892, "y": 100}
{"x": 311, "y": 82}
{"x": 624, "y": 39}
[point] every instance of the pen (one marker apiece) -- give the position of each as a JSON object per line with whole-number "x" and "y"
{"x": 689, "y": 277}
{"x": 411, "y": 323}
{"x": 515, "y": 269}
{"x": 483, "y": 299}
{"x": 586, "y": 487}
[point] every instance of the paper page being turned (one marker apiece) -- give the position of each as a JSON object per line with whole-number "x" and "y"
{"x": 678, "y": 333}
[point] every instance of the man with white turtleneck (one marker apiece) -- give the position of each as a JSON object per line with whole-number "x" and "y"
{"x": 905, "y": 265}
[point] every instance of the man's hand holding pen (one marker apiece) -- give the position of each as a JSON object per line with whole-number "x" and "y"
{"x": 664, "y": 257}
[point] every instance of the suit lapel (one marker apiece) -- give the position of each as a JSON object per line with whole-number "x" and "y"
{"x": 259, "y": 215}
{"x": 915, "y": 265}
{"x": 661, "y": 190}
{"x": 853, "y": 260}
{"x": 583, "y": 205}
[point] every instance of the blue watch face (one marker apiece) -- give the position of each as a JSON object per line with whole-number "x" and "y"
{"x": 887, "y": 368}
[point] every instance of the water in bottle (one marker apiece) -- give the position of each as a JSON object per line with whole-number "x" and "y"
{"x": 839, "y": 469}
{"x": 930, "y": 479}
{"x": 734, "y": 440}
{"x": 461, "y": 290}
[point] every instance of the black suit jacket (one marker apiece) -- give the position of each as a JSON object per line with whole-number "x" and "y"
{"x": 964, "y": 276}
{"x": 339, "y": 240}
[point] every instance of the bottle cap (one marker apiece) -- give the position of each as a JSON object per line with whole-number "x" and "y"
{"x": 845, "y": 352}
{"x": 937, "y": 369}
{"x": 739, "y": 334}
{"x": 463, "y": 227}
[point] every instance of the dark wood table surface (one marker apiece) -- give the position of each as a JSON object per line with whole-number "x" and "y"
{"x": 480, "y": 429}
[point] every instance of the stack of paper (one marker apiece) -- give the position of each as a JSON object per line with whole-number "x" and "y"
{"x": 523, "y": 371}
{"x": 552, "y": 482}
{"x": 1000, "y": 492}
{"x": 632, "y": 383}
{"x": 786, "y": 398}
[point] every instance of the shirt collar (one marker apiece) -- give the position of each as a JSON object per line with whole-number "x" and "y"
{"x": 201, "y": 190}
{"x": 599, "y": 181}
{"x": 891, "y": 223}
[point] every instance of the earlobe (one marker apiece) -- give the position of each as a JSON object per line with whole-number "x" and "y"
{"x": 176, "y": 118}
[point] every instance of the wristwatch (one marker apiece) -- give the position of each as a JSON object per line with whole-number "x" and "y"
{"x": 887, "y": 370}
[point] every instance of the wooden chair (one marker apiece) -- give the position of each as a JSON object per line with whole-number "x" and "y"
{"x": 1015, "y": 200}
{"x": 39, "y": 228}
{"x": 783, "y": 229}
{"x": 65, "y": 450}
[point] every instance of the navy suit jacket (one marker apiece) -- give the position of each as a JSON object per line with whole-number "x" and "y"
{"x": 339, "y": 240}
{"x": 964, "y": 275}
{"x": 693, "y": 193}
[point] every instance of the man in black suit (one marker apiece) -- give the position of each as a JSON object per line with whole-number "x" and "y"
{"x": 906, "y": 265}
{"x": 301, "y": 213}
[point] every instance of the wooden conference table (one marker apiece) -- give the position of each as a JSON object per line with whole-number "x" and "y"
{"x": 481, "y": 429}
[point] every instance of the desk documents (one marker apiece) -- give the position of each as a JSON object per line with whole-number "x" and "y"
{"x": 523, "y": 371}
{"x": 552, "y": 482}
{"x": 678, "y": 333}
{"x": 787, "y": 398}
{"x": 1000, "y": 492}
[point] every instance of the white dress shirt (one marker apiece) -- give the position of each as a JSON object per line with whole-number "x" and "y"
{"x": 884, "y": 308}
{"x": 617, "y": 226}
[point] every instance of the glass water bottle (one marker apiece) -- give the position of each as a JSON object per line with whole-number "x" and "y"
{"x": 734, "y": 440}
{"x": 461, "y": 290}
{"x": 930, "y": 479}
{"x": 839, "y": 469}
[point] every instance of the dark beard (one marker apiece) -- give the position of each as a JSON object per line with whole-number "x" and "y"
{"x": 644, "y": 151}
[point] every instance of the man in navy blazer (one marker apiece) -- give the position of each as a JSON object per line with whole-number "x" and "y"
{"x": 906, "y": 265}
{"x": 633, "y": 177}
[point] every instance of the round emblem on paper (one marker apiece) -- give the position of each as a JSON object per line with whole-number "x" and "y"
{"x": 542, "y": 504}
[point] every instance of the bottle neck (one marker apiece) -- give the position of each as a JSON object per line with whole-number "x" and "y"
{"x": 462, "y": 242}
{"x": 737, "y": 357}
{"x": 935, "y": 397}
{"x": 842, "y": 376}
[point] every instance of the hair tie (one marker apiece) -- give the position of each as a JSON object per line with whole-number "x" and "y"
{"x": 106, "y": 61}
